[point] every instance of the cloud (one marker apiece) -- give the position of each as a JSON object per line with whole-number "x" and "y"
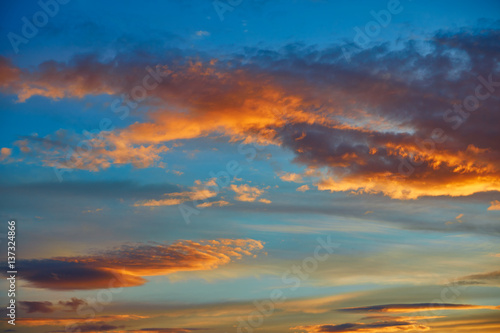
{"x": 408, "y": 308}
{"x": 47, "y": 321}
{"x": 247, "y": 193}
{"x": 92, "y": 327}
{"x": 32, "y": 307}
{"x": 375, "y": 327}
{"x": 202, "y": 33}
{"x": 387, "y": 122}
{"x": 66, "y": 150}
{"x": 199, "y": 192}
{"x": 5, "y": 153}
{"x": 92, "y": 210}
{"x": 72, "y": 304}
{"x": 492, "y": 278}
{"x": 291, "y": 177}
{"x": 303, "y": 188}
{"x": 495, "y": 205}
{"x": 126, "y": 265}
{"x": 219, "y": 203}
{"x": 458, "y": 219}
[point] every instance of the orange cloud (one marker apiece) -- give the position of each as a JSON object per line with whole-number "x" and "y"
{"x": 167, "y": 330}
{"x": 357, "y": 124}
{"x": 247, "y": 193}
{"x": 495, "y": 205}
{"x": 4, "y": 153}
{"x": 399, "y": 187}
{"x": 291, "y": 177}
{"x": 125, "y": 266}
{"x": 303, "y": 188}
{"x": 63, "y": 150}
{"x": 219, "y": 203}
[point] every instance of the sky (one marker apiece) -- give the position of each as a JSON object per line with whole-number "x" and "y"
{"x": 250, "y": 166}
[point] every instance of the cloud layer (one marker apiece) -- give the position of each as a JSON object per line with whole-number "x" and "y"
{"x": 126, "y": 266}
{"x": 408, "y": 122}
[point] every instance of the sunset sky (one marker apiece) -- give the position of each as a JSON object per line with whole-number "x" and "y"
{"x": 250, "y": 166}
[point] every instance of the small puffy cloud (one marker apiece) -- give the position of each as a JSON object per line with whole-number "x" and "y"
{"x": 303, "y": 188}
{"x": 66, "y": 150}
{"x": 291, "y": 177}
{"x": 495, "y": 205}
{"x": 458, "y": 219}
{"x": 202, "y": 33}
{"x": 72, "y": 304}
{"x": 91, "y": 210}
{"x": 393, "y": 325}
{"x": 366, "y": 129}
{"x": 246, "y": 192}
{"x": 5, "y": 153}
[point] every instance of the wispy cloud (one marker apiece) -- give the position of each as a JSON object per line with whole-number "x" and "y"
{"x": 202, "y": 33}
{"x": 408, "y": 308}
{"x": 126, "y": 266}
{"x": 201, "y": 191}
{"x": 379, "y": 326}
